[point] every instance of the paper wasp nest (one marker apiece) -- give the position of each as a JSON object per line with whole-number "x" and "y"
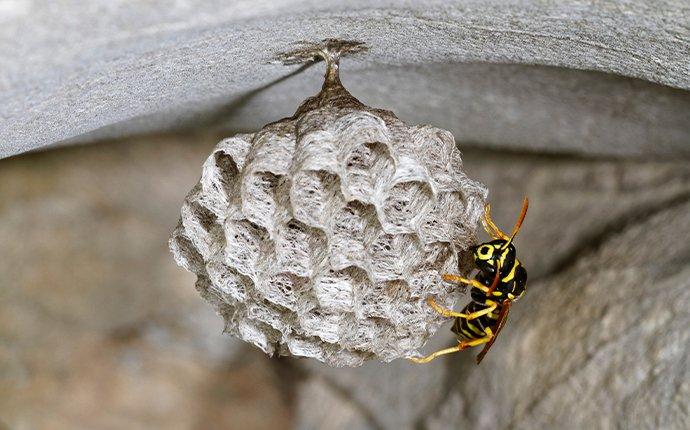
{"x": 322, "y": 234}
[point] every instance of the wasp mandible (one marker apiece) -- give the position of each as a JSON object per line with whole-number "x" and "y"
{"x": 501, "y": 281}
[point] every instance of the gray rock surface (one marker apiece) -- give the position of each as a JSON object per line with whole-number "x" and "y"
{"x": 111, "y": 69}
{"x": 98, "y": 326}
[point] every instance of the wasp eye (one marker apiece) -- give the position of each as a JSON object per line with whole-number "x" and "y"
{"x": 484, "y": 252}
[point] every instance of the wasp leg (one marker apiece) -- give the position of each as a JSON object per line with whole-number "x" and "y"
{"x": 443, "y": 311}
{"x": 492, "y": 306}
{"x": 481, "y": 340}
{"x": 459, "y": 279}
{"x": 489, "y": 225}
{"x": 451, "y": 314}
{"x": 460, "y": 346}
{"x": 430, "y": 357}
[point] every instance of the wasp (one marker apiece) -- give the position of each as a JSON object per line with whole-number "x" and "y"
{"x": 501, "y": 281}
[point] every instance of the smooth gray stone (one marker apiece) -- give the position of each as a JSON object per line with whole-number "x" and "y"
{"x": 73, "y": 69}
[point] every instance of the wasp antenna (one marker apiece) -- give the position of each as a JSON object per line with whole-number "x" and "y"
{"x": 489, "y": 226}
{"x": 518, "y": 223}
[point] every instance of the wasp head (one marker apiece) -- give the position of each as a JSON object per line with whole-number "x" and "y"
{"x": 489, "y": 255}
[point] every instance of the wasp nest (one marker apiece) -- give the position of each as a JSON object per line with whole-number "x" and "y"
{"x": 322, "y": 234}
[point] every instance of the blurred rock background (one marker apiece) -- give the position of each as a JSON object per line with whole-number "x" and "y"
{"x": 100, "y": 329}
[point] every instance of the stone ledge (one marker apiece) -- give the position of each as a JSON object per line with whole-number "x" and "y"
{"x": 110, "y": 66}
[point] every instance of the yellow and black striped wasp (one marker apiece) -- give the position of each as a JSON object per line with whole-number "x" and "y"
{"x": 501, "y": 281}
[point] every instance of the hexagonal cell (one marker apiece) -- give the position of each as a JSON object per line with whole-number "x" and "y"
{"x": 359, "y": 127}
{"x": 232, "y": 314}
{"x": 431, "y": 140}
{"x": 214, "y": 297}
{"x": 420, "y": 281}
{"x": 218, "y": 181}
{"x": 345, "y": 357}
{"x": 392, "y": 256}
{"x": 202, "y": 228}
{"x": 410, "y": 315}
{"x": 237, "y": 147}
{"x": 380, "y": 300}
{"x": 435, "y": 149}
{"x": 313, "y": 121}
{"x": 437, "y": 225}
{"x": 184, "y": 251}
{"x": 316, "y": 150}
{"x": 405, "y": 206}
{"x": 299, "y": 248}
{"x": 257, "y": 333}
{"x": 245, "y": 244}
{"x": 271, "y": 314}
{"x": 325, "y": 326}
{"x": 229, "y": 281}
{"x": 335, "y": 290}
{"x": 272, "y": 149}
{"x": 367, "y": 167}
{"x": 258, "y": 198}
{"x": 448, "y": 221}
{"x": 438, "y": 256}
{"x": 459, "y": 226}
{"x": 302, "y": 346}
{"x": 350, "y": 226}
{"x": 408, "y": 331}
{"x": 284, "y": 289}
{"x": 367, "y": 335}
{"x": 314, "y": 195}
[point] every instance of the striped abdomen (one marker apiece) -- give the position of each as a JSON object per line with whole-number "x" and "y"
{"x": 475, "y": 328}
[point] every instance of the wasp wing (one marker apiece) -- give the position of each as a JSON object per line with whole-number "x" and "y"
{"x": 502, "y": 318}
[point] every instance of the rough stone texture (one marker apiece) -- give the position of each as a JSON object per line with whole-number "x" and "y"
{"x": 397, "y": 395}
{"x": 72, "y": 68}
{"x": 99, "y": 328}
{"x": 323, "y": 234}
{"x": 320, "y": 415}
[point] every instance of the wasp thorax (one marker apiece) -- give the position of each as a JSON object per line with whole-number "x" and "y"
{"x": 322, "y": 234}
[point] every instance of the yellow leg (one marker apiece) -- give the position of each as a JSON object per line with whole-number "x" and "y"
{"x": 459, "y": 279}
{"x": 451, "y": 314}
{"x": 430, "y": 357}
{"x": 479, "y": 341}
{"x": 491, "y": 308}
{"x": 443, "y": 311}
{"x": 490, "y": 226}
{"x": 462, "y": 345}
